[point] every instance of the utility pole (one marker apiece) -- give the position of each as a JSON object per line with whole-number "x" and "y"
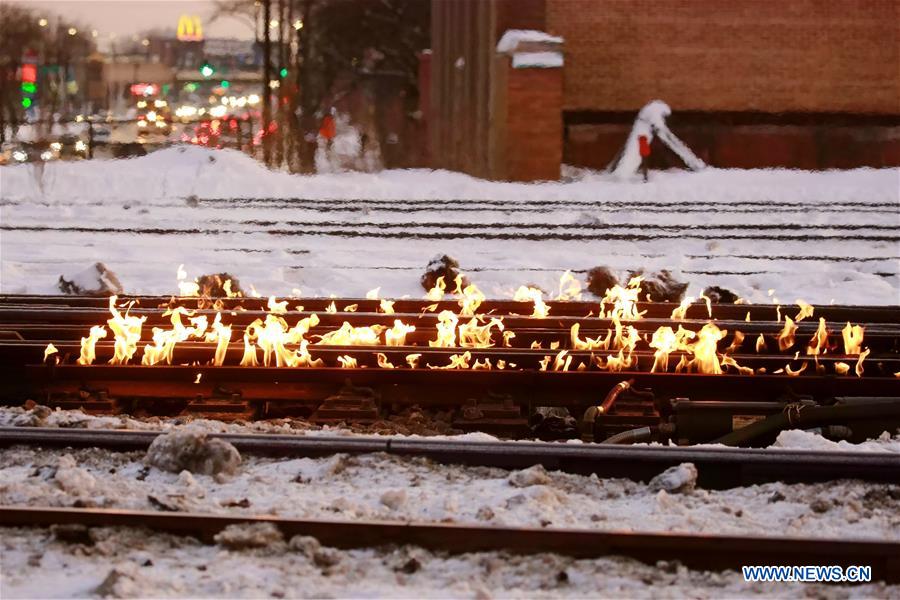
{"x": 267, "y": 77}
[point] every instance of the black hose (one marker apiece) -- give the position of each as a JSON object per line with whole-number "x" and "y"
{"x": 632, "y": 436}
{"x": 805, "y": 417}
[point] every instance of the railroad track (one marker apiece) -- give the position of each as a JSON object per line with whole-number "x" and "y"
{"x": 754, "y": 377}
{"x": 709, "y": 552}
{"x": 718, "y": 468}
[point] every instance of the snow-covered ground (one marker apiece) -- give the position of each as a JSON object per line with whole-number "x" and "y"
{"x": 384, "y": 487}
{"x": 130, "y": 563}
{"x": 829, "y": 236}
{"x": 125, "y": 563}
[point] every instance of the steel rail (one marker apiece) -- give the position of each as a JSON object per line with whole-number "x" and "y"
{"x": 718, "y": 468}
{"x": 202, "y": 354}
{"x": 708, "y": 552}
{"x": 659, "y": 310}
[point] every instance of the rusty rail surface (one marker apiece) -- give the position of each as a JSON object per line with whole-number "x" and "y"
{"x": 708, "y": 552}
{"x": 718, "y": 468}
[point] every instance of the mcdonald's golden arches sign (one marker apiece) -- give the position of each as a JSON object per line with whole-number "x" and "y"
{"x": 190, "y": 29}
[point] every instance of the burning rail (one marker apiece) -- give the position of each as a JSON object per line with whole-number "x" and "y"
{"x": 493, "y": 362}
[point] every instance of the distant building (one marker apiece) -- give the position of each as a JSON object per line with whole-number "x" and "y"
{"x": 802, "y": 84}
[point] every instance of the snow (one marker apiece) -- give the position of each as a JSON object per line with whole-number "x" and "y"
{"x": 796, "y": 439}
{"x": 650, "y": 122}
{"x": 821, "y": 236}
{"x": 511, "y": 39}
{"x": 136, "y": 563}
{"x": 380, "y": 486}
{"x": 541, "y": 60}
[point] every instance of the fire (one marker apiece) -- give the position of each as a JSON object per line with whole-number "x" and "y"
{"x": 249, "y": 358}
{"x": 413, "y": 360}
{"x": 373, "y": 294}
{"x": 806, "y": 310}
{"x": 49, "y": 350}
{"x": 819, "y": 342}
{"x": 786, "y": 337}
{"x": 387, "y": 307}
{"x": 665, "y": 342}
{"x": 793, "y": 373}
{"x": 760, "y": 344}
{"x": 569, "y": 287}
{"x": 347, "y": 362}
{"x": 89, "y": 345}
{"x": 588, "y": 343}
{"x": 446, "y": 330}
{"x": 348, "y": 335}
{"x": 507, "y": 338}
{"x": 470, "y": 301}
{"x": 859, "y": 363}
{"x": 853, "y": 338}
{"x": 529, "y": 294}
{"x": 351, "y": 308}
{"x": 273, "y": 336}
{"x": 473, "y": 335}
{"x": 127, "y": 332}
{"x": 562, "y": 361}
{"x": 623, "y": 301}
{"x": 708, "y": 305}
{"x": 457, "y": 361}
{"x": 841, "y": 368}
{"x": 186, "y": 288}
{"x": 383, "y": 361}
{"x": 331, "y": 308}
{"x": 396, "y": 335}
{"x": 704, "y": 350}
{"x": 680, "y": 313}
{"x": 277, "y": 308}
{"x": 436, "y": 293}
{"x": 736, "y": 342}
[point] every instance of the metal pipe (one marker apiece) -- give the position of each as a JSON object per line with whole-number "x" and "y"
{"x": 794, "y": 417}
{"x": 632, "y": 436}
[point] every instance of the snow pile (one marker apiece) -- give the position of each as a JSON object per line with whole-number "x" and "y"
{"x": 797, "y": 439}
{"x": 193, "y": 451}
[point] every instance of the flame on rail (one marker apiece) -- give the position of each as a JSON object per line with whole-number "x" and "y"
{"x": 273, "y": 341}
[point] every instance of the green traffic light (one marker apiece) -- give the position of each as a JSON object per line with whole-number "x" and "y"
{"x": 26, "y": 102}
{"x": 207, "y": 70}
{"x": 29, "y": 88}
{"x": 283, "y": 72}
{"x": 226, "y": 83}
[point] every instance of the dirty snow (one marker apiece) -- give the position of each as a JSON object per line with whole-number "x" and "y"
{"x": 41, "y": 416}
{"x": 383, "y": 487}
{"x": 134, "y": 563}
{"x": 823, "y": 237}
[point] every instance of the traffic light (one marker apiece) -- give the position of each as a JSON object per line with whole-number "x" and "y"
{"x": 206, "y": 69}
{"x": 283, "y": 72}
{"x": 29, "y": 81}
{"x": 225, "y": 83}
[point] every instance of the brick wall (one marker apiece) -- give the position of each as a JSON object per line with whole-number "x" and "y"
{"x": 530, "y": 144}
{"x": 730, "y": 55}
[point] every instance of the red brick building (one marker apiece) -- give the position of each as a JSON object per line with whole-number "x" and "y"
{"x": 752, "y": 83}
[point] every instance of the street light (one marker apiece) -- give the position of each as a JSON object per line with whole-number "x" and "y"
{"x": 72, "y": 31}
{"x": 42, "y": 22}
